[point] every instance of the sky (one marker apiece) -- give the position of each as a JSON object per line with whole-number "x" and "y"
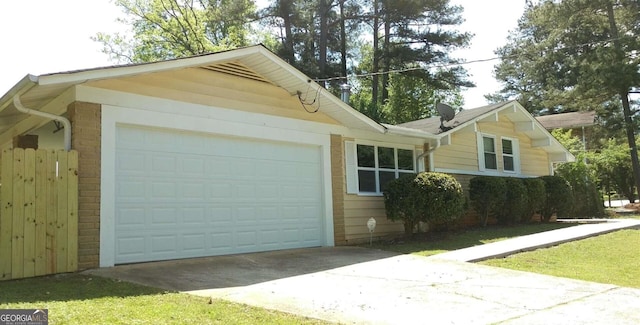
{"x": 48, "y": 36}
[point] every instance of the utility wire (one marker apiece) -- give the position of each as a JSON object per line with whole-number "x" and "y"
{"x": 446, "y": 65}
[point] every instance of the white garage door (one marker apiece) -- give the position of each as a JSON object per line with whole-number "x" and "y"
{"x": 181, "y": 194}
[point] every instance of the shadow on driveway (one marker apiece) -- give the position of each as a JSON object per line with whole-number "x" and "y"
{"x": 239, "y": 270}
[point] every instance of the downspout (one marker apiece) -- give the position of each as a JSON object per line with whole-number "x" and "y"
{"x": 424, "y": 154}
{"x": 65, "y": 122}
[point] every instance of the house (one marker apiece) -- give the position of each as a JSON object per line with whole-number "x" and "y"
{"x": 498, "y": 140}
{"x": 237, "y": 152}
{"x": 577, "y": 122}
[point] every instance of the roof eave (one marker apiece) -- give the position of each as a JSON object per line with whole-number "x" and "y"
{"x": 77, "y": 77}
{"x": 408, "y": 132}
{"x": 29, "y": 81}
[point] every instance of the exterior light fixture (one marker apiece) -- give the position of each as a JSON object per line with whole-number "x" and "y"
{"x": 371, "y": 224}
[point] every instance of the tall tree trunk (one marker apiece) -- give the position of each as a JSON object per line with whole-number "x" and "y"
{"x": 624, "y": 98}
{"x": 386, "y": 59}
{"x": 285, "y": 12}
{"x": 343, "y": 41}
{"x": 376, "y": 61}
{"x": 323, "y": 12}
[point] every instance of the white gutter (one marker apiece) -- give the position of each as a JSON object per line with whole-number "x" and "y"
{"x": 65, "y": 122}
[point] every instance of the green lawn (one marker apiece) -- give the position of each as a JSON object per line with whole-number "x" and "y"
{"x": 613, "y": 258}
{"x": 431, "y": 244}
{"x": 82, "y": 299}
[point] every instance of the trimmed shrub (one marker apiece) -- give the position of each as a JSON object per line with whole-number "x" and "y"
{"x": 536, "y": 197}
{"x": 515, "y": 202}
{"x": 442, "y": 195}
{"x": 487, "y": 195}
{"x": 559, "y": 198}
{"x": 402, "y": 202}
{"x": 426, "y": 197}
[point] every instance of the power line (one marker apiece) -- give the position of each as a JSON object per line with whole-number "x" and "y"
{"x": 446, "y": 65}
{"x": 442, "y": 65}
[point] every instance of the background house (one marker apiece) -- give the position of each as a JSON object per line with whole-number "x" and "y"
{"x": 579, "y": 123}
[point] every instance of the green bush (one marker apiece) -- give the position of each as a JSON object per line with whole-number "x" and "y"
{"x": 536, "y": 197}
{"x": 402, "y": 202}
{"x": 426, "y": 197}
{"x": 443, "y": 197}
{"x": 559, "y": 197}
{"x": 587, "y": 200}
{"x": 515, "y": 203}
{"x": 487, "y": 195}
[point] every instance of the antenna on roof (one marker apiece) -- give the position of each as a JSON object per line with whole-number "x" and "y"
{"x": 446, "y": 114}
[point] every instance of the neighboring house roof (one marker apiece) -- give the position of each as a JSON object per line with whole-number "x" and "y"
{"x": 254, "y": 62}
{"x": 523, "y": 121}
{"x": 571, "y": 120}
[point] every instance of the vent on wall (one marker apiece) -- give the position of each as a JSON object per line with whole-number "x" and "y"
{"x": 237, "y": 69}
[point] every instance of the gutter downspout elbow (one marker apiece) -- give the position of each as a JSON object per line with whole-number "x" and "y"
{"x": 428, "y": 152}
{"x": 65, "y": 122}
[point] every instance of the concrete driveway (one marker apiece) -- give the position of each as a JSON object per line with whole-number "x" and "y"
{"x": 362, "y": 286}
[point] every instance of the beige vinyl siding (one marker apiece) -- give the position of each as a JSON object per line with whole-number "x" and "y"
{"x": 462, "y": 154}
{"x": 205, "y": 87}
{"x": 533, "y": 161}
{"x": 357, "y": 211}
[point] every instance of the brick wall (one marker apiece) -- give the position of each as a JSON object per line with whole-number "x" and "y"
{"x": 338, "y": 188}
{"x": 86, "y": 139}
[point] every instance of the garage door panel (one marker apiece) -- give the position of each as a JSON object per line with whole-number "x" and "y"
{"x": 181, "y": 194}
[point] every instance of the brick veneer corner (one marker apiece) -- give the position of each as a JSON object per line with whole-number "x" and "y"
{"x": 86, "y": 140}
{"x": 338, "y": 188}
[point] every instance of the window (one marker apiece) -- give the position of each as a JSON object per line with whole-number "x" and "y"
{"x": 498, "y": 155}
{"x": 508, "y": 157}
{"x": 489, "y": 148}
{"x": 378, "y": 165}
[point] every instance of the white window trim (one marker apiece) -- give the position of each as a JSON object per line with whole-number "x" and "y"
{"x": 351, "y": 164}
{"x": 481, "y": 162}
{"x": 515, "y": 145}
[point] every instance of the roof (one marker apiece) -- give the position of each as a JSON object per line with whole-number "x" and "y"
{"x": 254, "y": 62}
{"x": 524, "y": 123}
{"x": 432, "y": 124}
{"x": 570, "y": 120}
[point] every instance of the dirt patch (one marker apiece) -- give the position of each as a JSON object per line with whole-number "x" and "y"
{"x": 633, "y": 206}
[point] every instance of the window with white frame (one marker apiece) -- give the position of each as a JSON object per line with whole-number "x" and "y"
{"x": 498, "y": 154}
{"x": 508, "y": 155}
{"x": 489, "y": 148}
{"x": 377, "y": 165}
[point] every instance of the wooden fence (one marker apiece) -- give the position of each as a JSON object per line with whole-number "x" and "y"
{"x": 38, "y": 213}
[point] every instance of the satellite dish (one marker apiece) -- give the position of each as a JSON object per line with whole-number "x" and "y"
{"x": 446, "y": 114}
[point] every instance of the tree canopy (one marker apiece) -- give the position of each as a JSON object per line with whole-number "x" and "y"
{"x": 402, "y": 49}
{"x": 575, "y": 55}
{"x": 168, "y": 29}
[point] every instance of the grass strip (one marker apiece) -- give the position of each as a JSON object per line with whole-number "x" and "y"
{"x": 611, "y": 258}
{"x": 83, "y": 299}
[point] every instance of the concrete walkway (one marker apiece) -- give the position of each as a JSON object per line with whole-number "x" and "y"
{"x": 355, "y": 285}
{"x": 589, "y": 228}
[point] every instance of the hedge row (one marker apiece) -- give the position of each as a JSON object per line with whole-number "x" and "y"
{"x": 512, "y": 200}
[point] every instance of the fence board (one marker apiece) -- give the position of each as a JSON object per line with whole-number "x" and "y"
{"x": 17, "y": 238}
{"x": 38, "y": 213}
{"x": 6, "y": 215}
{"x": 72, "y": 207}
{"x": 52, "y": 211}
{"x": 41, "y": 212}
{"x": 29, "y": 216}
{"x": 62, "y": 226}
